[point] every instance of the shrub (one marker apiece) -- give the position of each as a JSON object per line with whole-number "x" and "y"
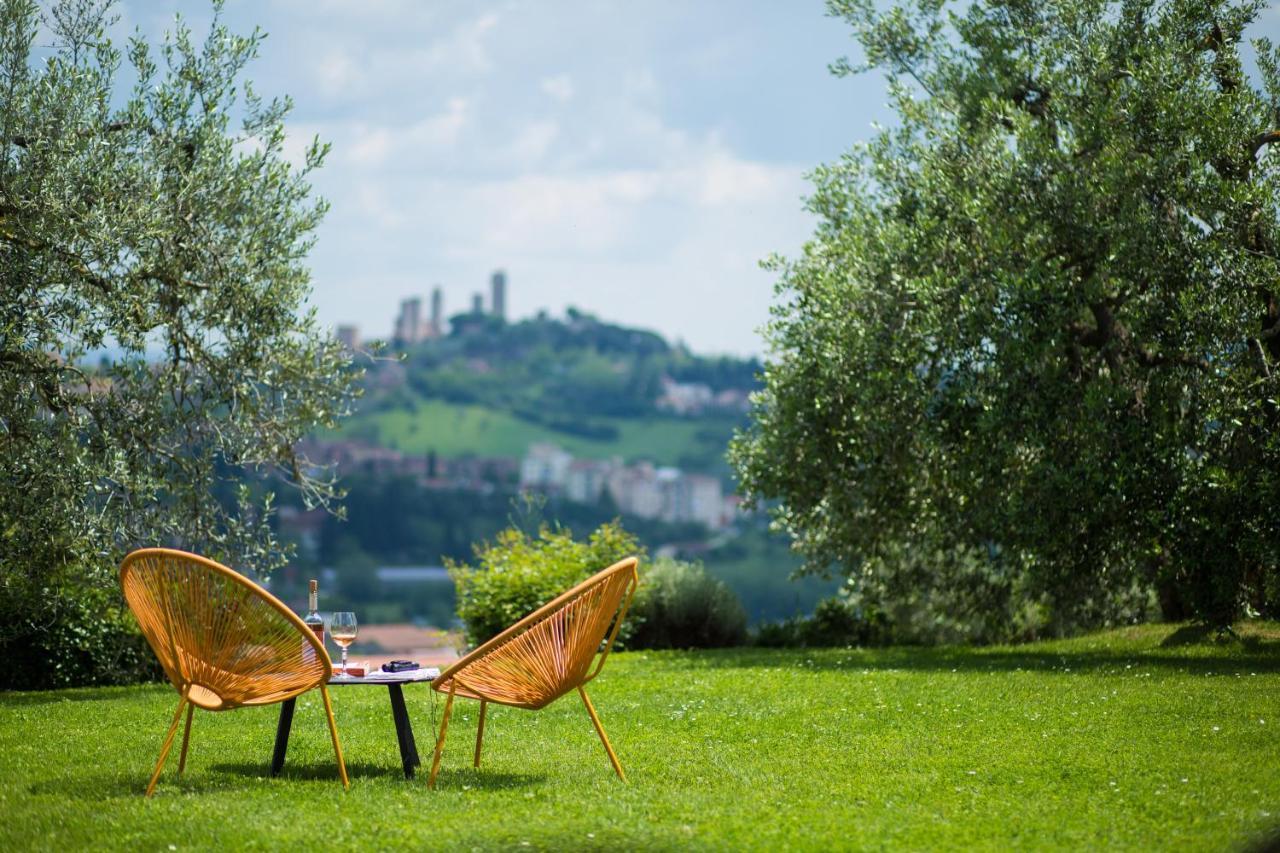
{"x": 517, "y": 573}
{"x": 85, "y": 637}
{"x": 680, "y": 606}
{"x": 835, "y": 622}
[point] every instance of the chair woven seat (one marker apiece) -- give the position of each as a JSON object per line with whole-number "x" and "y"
{"x": 224, "y": 642}
{"x": 545, "y": 655}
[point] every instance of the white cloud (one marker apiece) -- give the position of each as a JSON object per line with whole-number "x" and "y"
{"x": 724, "y": 179}
{"x": 559, "y": 87}
{"x": 534, "y": 140}
{"x": 442, "y": 130}
{"x": 388, "y": 50}
{"x": 635, "y": 219}
{"x": 372, "y": 204}
{"x": 641, "y": 83}
{"x": 371, "y": 147}
{"x": 336, "y": 72}
{"x": 625, "y": 158}
{"x": 463, "y": 50}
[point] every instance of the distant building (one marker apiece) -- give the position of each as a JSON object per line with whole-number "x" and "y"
{"x": 684, "y": 398}
{"x": 437, "y": 312}
{"x": 498, "y": 284}
{"x": 409, "y": 323}
{"x": 734, "y": 400}
{"x": 586, "y": 479}
{"x": 636, "y": 491}
{"x": 411, "y": 327}
{"x": 704, "y": 497}
{"x": 545, "y": 467}
{"x": 349, "y": 337}
{"x": 642, "y": 489}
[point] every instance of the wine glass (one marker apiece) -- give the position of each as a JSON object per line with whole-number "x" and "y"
{"x": 342, "y": 627}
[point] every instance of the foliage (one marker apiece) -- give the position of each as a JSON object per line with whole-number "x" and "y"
{"x": 517, "y": 573}
{"x": 835, "y": 622}
{"x": 163, "y": 225}
{"x": 680, "y": 606}
{"x": 90, "y": 638}
{"x": 1077, "y": 745}
{"x": 396, "y": 521}
{"x": 542, "y": 368}
{"x": 758, "y": 567}
{"x": 399, "y": 521}
{"x": 1038, "y": 327}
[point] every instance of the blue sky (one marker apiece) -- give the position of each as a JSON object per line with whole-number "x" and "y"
{"x": 635, "y": 160}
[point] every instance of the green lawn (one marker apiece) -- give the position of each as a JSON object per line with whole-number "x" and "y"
{"x": 1109, "y": 741}
{"x": 452, "y": 429}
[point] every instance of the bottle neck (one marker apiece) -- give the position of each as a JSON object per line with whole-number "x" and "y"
{"x": 313, "y": 602}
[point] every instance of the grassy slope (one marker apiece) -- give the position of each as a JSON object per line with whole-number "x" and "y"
{"x": 451, "y": 429}
{"x": 1103, "y": 742}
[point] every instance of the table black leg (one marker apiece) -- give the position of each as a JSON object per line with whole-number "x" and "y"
{"x": 413, "y": 746}
{"x": 404, "y": 732}
{"x": 282, "y": 735}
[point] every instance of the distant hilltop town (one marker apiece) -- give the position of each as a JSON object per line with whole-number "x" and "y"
{"x": 411, "y": 328}
{"x": 641, "y": 489}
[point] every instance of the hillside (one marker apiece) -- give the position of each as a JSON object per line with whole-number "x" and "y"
{"x": 597, "y": 389}
{"x": 425, "y": 425}
{"x": 487, "y": 391}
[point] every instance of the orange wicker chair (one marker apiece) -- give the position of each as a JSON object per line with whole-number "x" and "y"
{"x": 224, "y": 641}
{"x": 544, "y": 655}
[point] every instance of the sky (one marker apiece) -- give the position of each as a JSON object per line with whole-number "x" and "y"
{"x": 635, "y": 160}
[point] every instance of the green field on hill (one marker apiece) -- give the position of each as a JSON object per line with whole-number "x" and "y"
{"x": 1143, "y": 738}
{"x": 453, "y": 429}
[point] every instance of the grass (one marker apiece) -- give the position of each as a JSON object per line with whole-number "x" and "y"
{"x": 452, "y": 429}
{"x": 1126, "y": 739}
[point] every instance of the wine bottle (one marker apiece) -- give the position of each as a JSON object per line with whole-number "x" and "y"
{"x": 314, "y": 621}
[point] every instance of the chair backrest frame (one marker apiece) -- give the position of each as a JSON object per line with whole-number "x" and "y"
{"x": 157, "y": 634}
{"x": 628, "y": 565}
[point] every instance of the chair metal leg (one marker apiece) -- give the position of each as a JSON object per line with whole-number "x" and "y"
{"x": 168, "y": 742}
{"x": 186, "y": 736}
{"x": 613, "y": 759}
{"x": 333, "y": 732}
{"x": 480, "y": 731}
{"x": 444, "y": 727}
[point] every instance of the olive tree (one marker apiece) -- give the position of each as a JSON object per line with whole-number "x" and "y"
{"x": 1026, "y": 369}
{"x": 155, "y": 219}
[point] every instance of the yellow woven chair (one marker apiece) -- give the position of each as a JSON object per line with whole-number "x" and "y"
{"x": 544, "y": 655}
{"x": 224, "y": 641}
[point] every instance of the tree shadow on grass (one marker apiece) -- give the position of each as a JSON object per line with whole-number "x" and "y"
{"x": 79, "y": 694}
{"x": 1262, "y": 658}
{"x": 1205, "y": 635}
{"x": 94, "y": 787}
{"x": 1266, "y": 841}
{"x": 230, "y": 776}
{"x": 485, "y": 780}
{"x": 327, "y": 771}
{"x": 1187, "y": 635}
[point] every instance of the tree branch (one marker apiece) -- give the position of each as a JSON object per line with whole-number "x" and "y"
{"x": 1262, "y": 140}
{"x": 21, "y": 141}
{"x": 77, "y": 264}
